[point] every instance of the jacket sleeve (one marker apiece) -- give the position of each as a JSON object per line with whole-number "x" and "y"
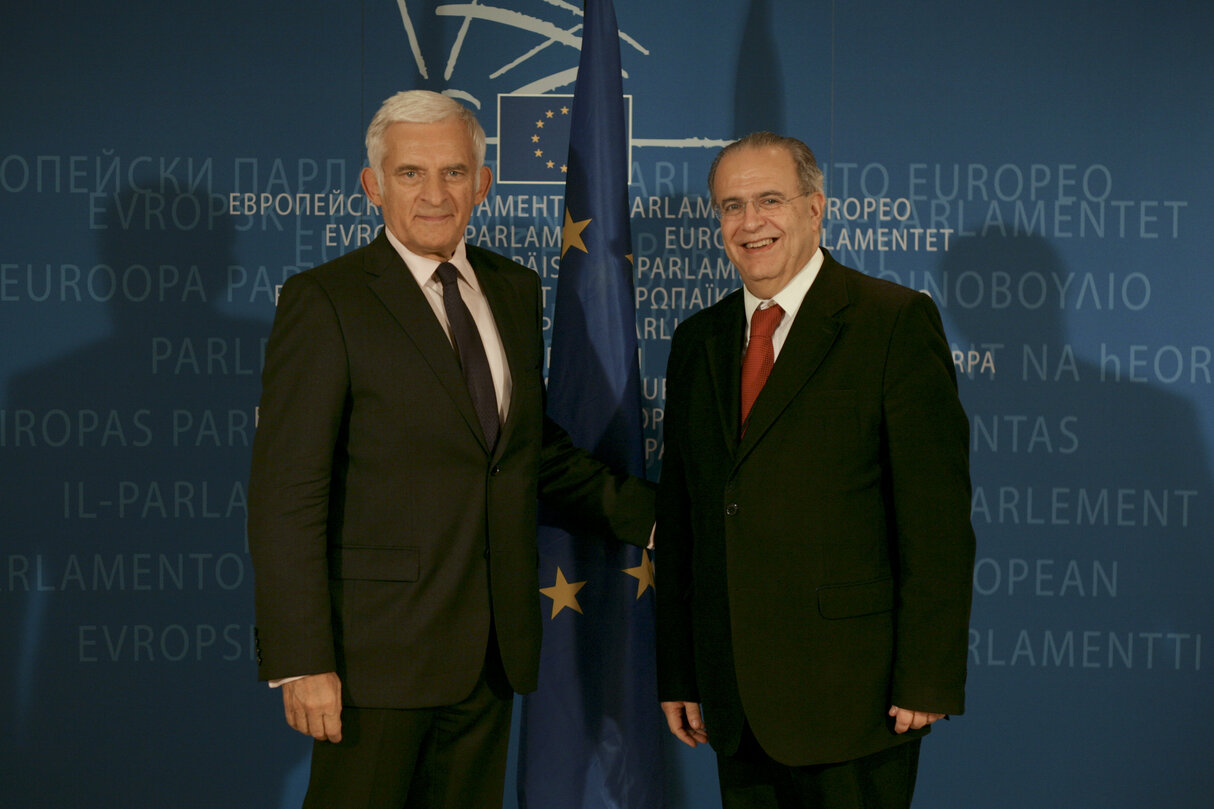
{"x": 673, "y": 551}
{"x": 585, "y": 493}
{"x": 304, "y": 394}
{"x": 927, "y": 440}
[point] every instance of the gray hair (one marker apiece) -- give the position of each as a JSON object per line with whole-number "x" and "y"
{"x": 419, "y": 107}
{"x": 809, "y": 176}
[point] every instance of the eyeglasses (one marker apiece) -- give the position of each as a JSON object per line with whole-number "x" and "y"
{"x": 764, "y": 206}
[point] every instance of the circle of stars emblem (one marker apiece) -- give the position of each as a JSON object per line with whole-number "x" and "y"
{"x": 537, "y": 139}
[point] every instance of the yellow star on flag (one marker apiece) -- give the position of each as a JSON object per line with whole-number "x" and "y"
{"x": 571, "y": 234}
{"x": 643, "y": 573}
{"x": 563, "y": 594}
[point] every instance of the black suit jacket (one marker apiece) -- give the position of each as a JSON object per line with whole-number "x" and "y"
{"x": 818, "y": 570}
{"x": 384, "y": 534}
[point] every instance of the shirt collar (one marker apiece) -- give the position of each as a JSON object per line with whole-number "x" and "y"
{"x": 790, "y": 297}
{"x": 422, "y": 268}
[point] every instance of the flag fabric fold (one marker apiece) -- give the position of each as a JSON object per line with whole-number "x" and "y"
{"x": 590, "y": 735}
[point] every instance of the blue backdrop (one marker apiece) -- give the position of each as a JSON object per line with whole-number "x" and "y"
{"x": 1041, "y": 168}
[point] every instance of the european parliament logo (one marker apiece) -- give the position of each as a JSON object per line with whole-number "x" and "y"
{"x": 533, "y": 137}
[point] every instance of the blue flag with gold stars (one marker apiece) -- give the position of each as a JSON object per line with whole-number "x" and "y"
{"x": 533, "y": 138}
{"x": 590, "y": 735}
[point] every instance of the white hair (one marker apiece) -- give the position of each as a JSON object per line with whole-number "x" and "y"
{"x": 419, "y": 107}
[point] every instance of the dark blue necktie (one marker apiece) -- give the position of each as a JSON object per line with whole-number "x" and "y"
{"x": 471, "y": 353}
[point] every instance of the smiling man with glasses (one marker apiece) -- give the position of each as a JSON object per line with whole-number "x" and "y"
{"x": 813, "y": 520}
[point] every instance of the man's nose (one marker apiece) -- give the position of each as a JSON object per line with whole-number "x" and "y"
{"x": 433, "y": 189}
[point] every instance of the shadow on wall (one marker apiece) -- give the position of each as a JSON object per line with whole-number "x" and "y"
{"x": 131, "y": 640}
{"x": 1091, "y": 510}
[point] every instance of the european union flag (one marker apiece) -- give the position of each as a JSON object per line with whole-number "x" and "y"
{"x": 533, "y": 138}
{"x": 591, "y": 733}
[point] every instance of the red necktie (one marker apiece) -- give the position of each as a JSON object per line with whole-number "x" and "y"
{"x": 760, "y": 356}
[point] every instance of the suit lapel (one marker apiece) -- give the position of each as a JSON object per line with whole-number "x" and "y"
{"x": 810, "y": 339}
{"x": 724, "y": 349}
{"x": 396, "y": 288}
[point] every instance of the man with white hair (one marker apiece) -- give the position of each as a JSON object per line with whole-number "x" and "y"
{"x": 392, "y": 505}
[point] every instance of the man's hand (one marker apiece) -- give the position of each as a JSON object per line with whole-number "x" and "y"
{"x": 685, "y": 722}
{"x": 313, "y": 706}
{"x": 905, "y": 720}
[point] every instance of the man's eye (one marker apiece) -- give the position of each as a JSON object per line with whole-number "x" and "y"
{"x": 731, "y": 207}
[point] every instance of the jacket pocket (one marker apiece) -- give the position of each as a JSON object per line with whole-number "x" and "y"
{"x": 853, "y": 600}
{"x": 375, "y": 563}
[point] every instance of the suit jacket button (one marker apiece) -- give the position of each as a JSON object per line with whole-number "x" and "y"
{"x": 731, "y": 509}
{"x": 496, "y": 470}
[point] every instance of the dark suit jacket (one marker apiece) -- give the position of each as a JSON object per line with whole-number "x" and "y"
{"x": 384, "y": 533}
{"x": 817, "y": 571}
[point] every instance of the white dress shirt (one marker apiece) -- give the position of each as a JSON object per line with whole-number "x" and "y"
{"x": 789, "y": 298}
{"x": 422, "y": 269}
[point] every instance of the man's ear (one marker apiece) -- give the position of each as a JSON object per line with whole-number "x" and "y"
{"x": 486, "y": 180}
{"x": 371, "y": 186}
{"x": 817, "y": 205}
